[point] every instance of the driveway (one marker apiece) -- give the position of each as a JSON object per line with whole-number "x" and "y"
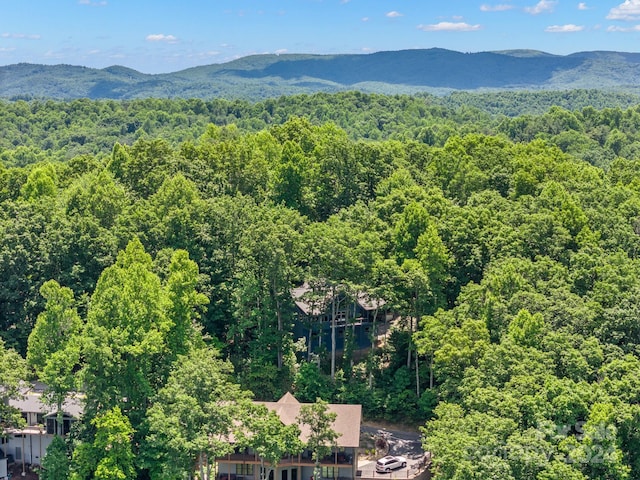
{"x": 405, "y": 443}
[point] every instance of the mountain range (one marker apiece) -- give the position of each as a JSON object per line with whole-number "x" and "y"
{"x": 405, "y": 71}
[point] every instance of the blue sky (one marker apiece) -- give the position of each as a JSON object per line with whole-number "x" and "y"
{"x": 166, "y": 36}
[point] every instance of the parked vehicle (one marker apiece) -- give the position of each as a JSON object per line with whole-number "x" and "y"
{"x": 388, "y": 463}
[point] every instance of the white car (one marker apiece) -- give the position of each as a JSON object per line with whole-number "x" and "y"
{"x": 388, "y": 463}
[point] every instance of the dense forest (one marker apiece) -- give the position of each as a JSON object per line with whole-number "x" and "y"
{"x": 148, "y": 248}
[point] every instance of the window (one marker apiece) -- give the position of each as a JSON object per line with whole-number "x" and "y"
{"x": 40, "y": 419}
{"x": 51, "y": 426}
{"x": 329, "y": 472}
{"x": 52, "y": 423}
{"x": 244, "y": 468}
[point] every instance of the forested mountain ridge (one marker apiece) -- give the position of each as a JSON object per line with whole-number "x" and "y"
{"x": 262, "y": 76}
{"x": 168, "y": 234}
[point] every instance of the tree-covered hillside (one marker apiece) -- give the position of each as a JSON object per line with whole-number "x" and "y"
{"x": 258, "y": 77}
{"x": 63, "y": 130}
{"x": 168, "y": 236}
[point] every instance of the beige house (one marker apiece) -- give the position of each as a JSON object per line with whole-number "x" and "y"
{"x": 340, "y": 465}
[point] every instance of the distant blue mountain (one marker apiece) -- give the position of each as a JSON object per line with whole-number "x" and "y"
{"x": 405, "y": 71}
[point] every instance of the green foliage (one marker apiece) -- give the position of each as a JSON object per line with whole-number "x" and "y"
{"x": 263, "y": 432}
{"x": 321, "y": 438}
{"x": 56, "y": 464}
{"x": 192, "y": 414}
{"x": 40, "y": 183}
{"x": 12, "y": 373}
{"x": 112, "y": 446}
{"x": 506, "y": 248}
{"x": 126, "y": 328}
{"x": 527, "y": 329}
{"x": 310, "y": 383}
{"x": 54, "y": 347}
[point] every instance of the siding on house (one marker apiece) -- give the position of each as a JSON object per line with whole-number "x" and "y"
{"x": 29, "y": 444}
{"x": 355, "y": 318}
{"x": 340, "y": 465}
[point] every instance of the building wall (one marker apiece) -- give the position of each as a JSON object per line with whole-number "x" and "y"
{"x": 3, "y": 469}
{"x": 27, "y": 448}
{"x": 297, "y": 468}
{"x": 321, "y": 335}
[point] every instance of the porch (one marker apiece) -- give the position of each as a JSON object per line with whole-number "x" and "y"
{"x": 303, "y": 459}
{"x": 246, "y": 466}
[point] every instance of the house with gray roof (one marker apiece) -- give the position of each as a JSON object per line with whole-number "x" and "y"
{"x": 355, "y": 315}
{"x": 28, "y": 445}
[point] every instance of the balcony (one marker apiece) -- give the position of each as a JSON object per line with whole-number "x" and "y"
{"x": 304, "y": 459}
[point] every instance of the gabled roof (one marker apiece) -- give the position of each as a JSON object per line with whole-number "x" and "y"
{"x": 33, "y": 402}
{"x": 368, "y": 302}
{"x": 288, "y": 398}
{"x": 302, "y": 296}
{"x": 346, "y": 424}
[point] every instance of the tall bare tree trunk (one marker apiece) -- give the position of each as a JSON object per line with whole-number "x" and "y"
{"x": 410, "y": 342}
{"x": 279, "y": 314}
{"x": 333, "y": 333}
{"x": 59, "y": 419}
{"x": 417, "y": 376}
{"x": 431, "y": 372}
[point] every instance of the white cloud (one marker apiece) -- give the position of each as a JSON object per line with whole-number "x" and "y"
{"x": 365, "y": 19}
{"x": 496, "y": 8}
{"x": 582, "y": 6}
{"x": 449, "y": 27}
{"x": 543, "y": 6}
{"x": 629, "y": 10}
{"x": 161, "y": 37}
{"x": 394, "y": 14}
{"x": 20, "y": 36}
{"x": 569, "y": 28}
{"x": 615, "y": 28}
{"x": 281, "y": 51}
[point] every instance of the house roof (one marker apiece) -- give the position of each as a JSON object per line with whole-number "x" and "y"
{"x": 302, "y": 296}
{"x": 346, "y": 424}
{"x": 368, "y": 302}
{"x": 33, "y": 402}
